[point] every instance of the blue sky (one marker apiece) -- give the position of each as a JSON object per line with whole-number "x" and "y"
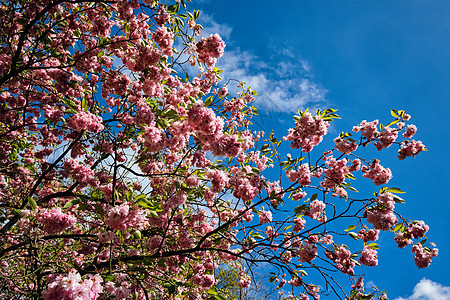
{"x": 363, "y": 58}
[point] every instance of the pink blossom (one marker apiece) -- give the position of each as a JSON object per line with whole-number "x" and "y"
{"x": 369, "y": 257}
{"x": 209, "y": 49}
{"x": 298, "y": 196}
{"x": 387, "y": 200}
{"x": 370, "y": 235}
{"x": 265, "y": 217}
{"x": 71, "y": 287}
{"x": 402, "y": 240}
{"x": 303, "y": 175}
{"x": 410, "y": 131}
{"x": 382, "y": 219}
{"x": 423, "y": 256}
{"x": 308, "y": 132}
{"x": 344, "y": 146}
{"x": 417, "y": 229}
{"x": 244, "y": 281}
{"x": 386, "y": 138}
{"x": 368, "y": 129}
{"x": 164, "y": 39}
{"x": 307, "y": 252}
{"x": 299, "y": 224}
{"x": 377, "y": 173}
{"x": 85, "y": 121}
{"x": 54, "y": 220}
{"x": 410, "y": 148}
{"x": 335, "y": 173}
{"x": 316, "y": 208}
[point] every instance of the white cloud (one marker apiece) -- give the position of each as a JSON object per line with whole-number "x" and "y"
{"x": 285, "y": 86}
{"x": 429, "y": 290}
{"x": 211, "y": 27}
{"x": 283, "y": 81}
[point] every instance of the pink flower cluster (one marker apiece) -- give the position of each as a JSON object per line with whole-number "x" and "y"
{"x": 342, "y": 258}
{"x": 410, "y": 148}
{"x": 316, "y": 209}
{"x": 336, "y": 171}
{"x": 121, "y": 217}
{"x": 201, "y": 279}
{"x": 410, "y": 131}
{"x": 368, "y": 129}
{"x": 382, "y": 219}
{"x": 307, "y": 252}
{"x": 244, "y": 280}
{"x": 54, "y": 220}
{"x": 387, "y": 200}
{"x": 164, "y": 39}
{"x": 303, "y": 175}
{"x": 377, "y": 173}
{"x": 344, "y": 146}
{"x": 370, "y": 235}
{"x": 299, "y": 224}
{"x": 82, "y": 174}
{"x": 246, "y": 189}
{"x": 369, "y": 257}
{"x": 71, "y": 287}
{"x": 265, "y": 217}
{"x": 209, "y": 49}
{"x": 226, "y": 146}
{"x": 423, "y": 255}
{"x": 219, "y": 180}
{"x": 386, "y": 138}
{"x": 163, "y": 17}
{"x": 155, "y": 242}
{"x": 86, "y": 121}
{"x": 416, "y": 230}
{"x": 308, "y": 132}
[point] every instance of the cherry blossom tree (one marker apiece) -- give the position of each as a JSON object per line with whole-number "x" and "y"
{"x": 128, "y": 171}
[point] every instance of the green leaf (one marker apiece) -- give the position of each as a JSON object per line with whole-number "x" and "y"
{"x": 258, "y": 236}
{"x": 303, "y": 272}
{"x": 17, "y": 212}
{"x": 137, "y": 235}
{"x": 351, "y": 227}
{"x": 71, "y": 111}
{"x": 70, "y": 103}
{"x": 172, "y": 114}
{"x": 395, "y": 190}
{"x": 208, "y": 101}
{"x": 173, "y": 9}
{"x": 373, "y": 246}
{"x": 196, "y": 14}
{"x": 394, "y": 113}
{"x": 72, "y": 203}
{"x": 398, "y": 199}
{"x": 353, "y": 235}
{"x": 32, "y": 203}
{"x": 84, "y": 104}
{"x": 398, "y": 227}
{"x": 314, "y": 196}
{"x": 99, "y": 209}
{"x": 211, "y": 291}
{"x": 350, "y": 176}
{"x": 140, "y": 197}
{"x": 393, "y": 122}
{"x": 300, "y": 208}
{"x": 352, "y": 189}
{"x": 153, "y": 214}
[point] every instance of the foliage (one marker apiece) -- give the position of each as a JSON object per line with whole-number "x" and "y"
{"x": 127, "y": 170}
